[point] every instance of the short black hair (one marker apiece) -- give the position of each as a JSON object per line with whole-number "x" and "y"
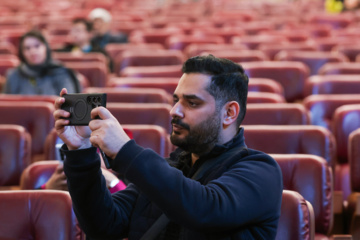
{"x": 38, "y": 35}
{"x": 88, "y": 24}
{"x": 228, "y": 80}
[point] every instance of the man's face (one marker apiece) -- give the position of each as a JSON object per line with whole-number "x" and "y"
{"x": 196, "y": 122}
{"x": 100, "y": 26}
{"x": 79, "y": 34}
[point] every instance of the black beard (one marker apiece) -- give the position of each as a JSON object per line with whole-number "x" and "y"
{"x": 201, "y": 138}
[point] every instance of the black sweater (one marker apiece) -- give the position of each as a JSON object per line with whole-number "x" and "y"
{"x": 239, "y": 197}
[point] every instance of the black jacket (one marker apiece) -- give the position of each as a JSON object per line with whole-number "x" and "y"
{"x": 237, "y": 197}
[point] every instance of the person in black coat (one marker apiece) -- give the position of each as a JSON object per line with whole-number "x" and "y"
{"x": 212, "y": 186}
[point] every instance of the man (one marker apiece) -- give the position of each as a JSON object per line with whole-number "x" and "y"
{"x": 211, "y": 187}
{"x": 101, "y": 20}
{"x": 80, "y": 35}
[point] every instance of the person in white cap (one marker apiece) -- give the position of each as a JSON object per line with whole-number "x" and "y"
{"x": 101, "y": 20}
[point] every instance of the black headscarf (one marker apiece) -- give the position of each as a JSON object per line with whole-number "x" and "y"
{"x": 40, "y": 69}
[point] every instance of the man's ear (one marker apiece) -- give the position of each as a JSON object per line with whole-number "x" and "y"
{"x": 231, "y": 111}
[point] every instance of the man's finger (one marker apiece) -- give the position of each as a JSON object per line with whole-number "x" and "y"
{"x": 61, "y": 123}
{"x": 63, "y": 91}
{"x": 102, "y": 112}
{"x": 58, "y": 114}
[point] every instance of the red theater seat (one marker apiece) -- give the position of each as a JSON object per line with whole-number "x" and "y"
{"x": 291, "y": 75}
{"x": 264, "y": 97}
{"x": 36, "y": 117}
{"x": 114, "y": 49}
{"x": 353, "y": 207}
{"x": 180, "y": 42}
{"x": 271, "y": 49}
{"x": 15, "y": 154}
{"x": 142, "y": 113}
{"x": 313, "y": 59}
{"x": 37, "y": 174}
{"x": 276, "y": 114}
{"x": 133, "y": 95}
{"x": 332, "y": 84}
{"x": 297, "y": 218}
{"x": 301, "y": 139}
{"x": 152, "y": 71}
{"x": 337, "y": 21}
{"x": 146, "y": 135}
{"x": 95, "y": 73}
{"x": 7, "y": 48}
{"x": 86, "y": 57}
{"x": 301, "y": 171}
{"x": 322, "y": 107}
{"x": 239, "y": 55}
{"x": 253, "y": 42}
{"x": 40, "y": 215}
{"x": 265, "y": 85}
{"x": 340, "y": 68}
{"x": 167, "y": 84}
{"x": 135, "y": 58}
{"x": 154, "y": 35}
{"x": 346, "y": 120}
{"x": 7, "y": 63}
{"x": 195, "y": 49}
{"x": 348, "y": 49}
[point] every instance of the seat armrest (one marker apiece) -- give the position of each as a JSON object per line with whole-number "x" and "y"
{"x": 338, "y": 211}
{"x": 353, "y": 214}
{"x": 341, "y": 237}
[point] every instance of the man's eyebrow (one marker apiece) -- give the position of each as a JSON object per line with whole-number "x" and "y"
{"x": 189, "y": 97}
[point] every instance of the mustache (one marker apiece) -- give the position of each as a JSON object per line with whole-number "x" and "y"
{"x": 177, "y": 121}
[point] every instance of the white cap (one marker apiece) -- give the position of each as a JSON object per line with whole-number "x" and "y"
{"x": 100, "y": 13}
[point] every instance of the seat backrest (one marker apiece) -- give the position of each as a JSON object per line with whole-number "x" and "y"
{"x": 350, "y": 50}
{"x": 115, "y": 49}
{"x": 253, "y": 42}
{"x": 313, "y": 59}
{"x": 340, "y": 68}
{"x": 276, "y": 114}
{"x": 346, "y": 120}
{"x": 133, "y": 95}
{"x": 168, "y": 84}
{"x": 296, "y": 220}
{"x": 6, "y": 64}
{"x": 37, "y": 174}
{"x": 322, "y": 107}
{"x": 332, "y": 84}
{"x": 180, "y": 42}
{"x": 271, "y": 49}
{"x": 195, "y": 49}
{"x": 239, "y": 55}
{"x": 38, "y": 215}
{"x": 261, "y": 97}
{"x": 15, "y": 153}
{"x": 152, "y": 71}
{"x": 265, "y": 85}
{"x": 36, "y": 117}
{"x": 142, "y": 113}
{"x": 149, "y": 58}
{"x": 86, "y": 57}
{"x": 151, "y": 136}
{"x": 301, "y": 139}
{"x": 146, "y": 135}
{"x": 301, "y": 171}
{"x": 291, "y": 75}
{"x": 94, "y": 72}
{"x": 354, "y": 160}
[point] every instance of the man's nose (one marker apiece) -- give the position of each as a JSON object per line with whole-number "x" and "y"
{"x": 176, "y": 111}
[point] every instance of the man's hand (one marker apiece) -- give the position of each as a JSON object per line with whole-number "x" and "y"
{"x": 57, "y": 180}
{"x": 75, "y": 137}
{"x": 107, "y": 133}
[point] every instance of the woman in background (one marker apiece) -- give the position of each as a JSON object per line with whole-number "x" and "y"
{"x": 38, "y": 74}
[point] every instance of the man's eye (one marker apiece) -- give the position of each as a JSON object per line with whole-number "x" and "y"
{"x": 175, "y": 101}
{"x": 192, "y": 104}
